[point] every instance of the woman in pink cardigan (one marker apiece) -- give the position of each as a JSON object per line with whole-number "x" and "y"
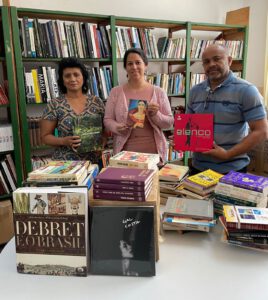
{"x": 126, "y": 136}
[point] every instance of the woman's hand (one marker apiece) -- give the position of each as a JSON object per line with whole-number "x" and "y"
{"x": 122, "y": 129}
{"x": 72, "y": 142}
{"x": 153, "y": 108}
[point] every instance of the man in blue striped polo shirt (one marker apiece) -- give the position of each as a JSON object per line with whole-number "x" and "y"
{"x": 237, "y": 107}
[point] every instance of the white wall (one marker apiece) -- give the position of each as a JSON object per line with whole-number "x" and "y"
{"x": 210, "y": 11}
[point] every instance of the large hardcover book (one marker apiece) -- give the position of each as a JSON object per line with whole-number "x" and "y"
{"x": 246, "y": 181}
{"x": 51, "y": 230}
{"x": 193, "y": 132}
{"x": 125, "y": 176}
{"x": 189, "y": 208}
{"x": 127, "y": 247}
{"x": 134, "y": 160}
{"x": 89, "y": 128}
{"x": 244, "y": 217}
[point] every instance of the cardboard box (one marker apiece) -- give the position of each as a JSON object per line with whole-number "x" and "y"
{"x": 6, "y": 221}
{"x": 259, "y": 159}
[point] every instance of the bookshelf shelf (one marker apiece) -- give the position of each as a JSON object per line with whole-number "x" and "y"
{"x": 14, "y": 156}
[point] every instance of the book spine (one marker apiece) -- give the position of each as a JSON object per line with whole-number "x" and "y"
{"x": 117, "y": 187}
{"x": 118, "y": 193}
{"x": 118, "y": 197}
{"x": 129, "y": 164}
{"x": 123, "y": 182}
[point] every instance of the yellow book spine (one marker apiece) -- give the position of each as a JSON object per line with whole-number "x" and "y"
{"x": 37, "y": 94}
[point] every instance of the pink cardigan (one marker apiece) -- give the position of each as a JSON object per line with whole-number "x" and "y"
{"x": 116, "y": 111}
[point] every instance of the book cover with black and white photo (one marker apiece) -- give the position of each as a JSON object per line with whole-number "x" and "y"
{"x": 122, "y": 240}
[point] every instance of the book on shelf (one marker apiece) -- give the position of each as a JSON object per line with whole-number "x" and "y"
{"x": 172, "y": 172}
{"x": 193, "y": 132}
{"x": 127, "y": 248}
{"x": 189, "y": 208}
{"x": 205, "y": 179}
{"x": 3, "y": 96}
{"x": 89, "y": 129}
{"x": 244, "y": 217}
{"x": 126, "y": 176}
{"x": 134, "y": 160}
{"x": 120, "y": 187}
{"x": 51, "y": 230}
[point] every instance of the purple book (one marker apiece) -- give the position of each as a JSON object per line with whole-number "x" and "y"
{"x": 246, "y": 181}
{"x": 125, "y": 176}
{"x": 118, "y": 197}
{"x": 119, "y": 193}
{"x": 121, "y": 187}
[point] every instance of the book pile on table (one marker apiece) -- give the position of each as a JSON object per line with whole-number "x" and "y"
{"x": 64, "y": 173}
{"x": 245, "y": 226}
{"x": 184, "y": 214}
{"x": 128, "y": 159}
{"x": 240, "y": 189}
{"x": 123, "y": 184}
{"x": 201, "y": 185}
{"x": 170, "y": 177}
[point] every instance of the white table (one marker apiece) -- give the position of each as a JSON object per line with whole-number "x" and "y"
{"x": 194, "y": 265}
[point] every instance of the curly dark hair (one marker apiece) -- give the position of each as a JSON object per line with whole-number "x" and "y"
{"x": 71, "y": 62}
{"x": 138, "y": 51}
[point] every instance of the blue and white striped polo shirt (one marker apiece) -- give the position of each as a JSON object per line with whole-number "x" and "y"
{"x": 233, "y": 103}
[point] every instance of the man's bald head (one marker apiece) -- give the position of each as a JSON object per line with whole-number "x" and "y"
{"x": 216, "y": 62}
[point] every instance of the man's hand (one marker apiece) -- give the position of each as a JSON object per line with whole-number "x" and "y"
{"x": 218, "y": 152}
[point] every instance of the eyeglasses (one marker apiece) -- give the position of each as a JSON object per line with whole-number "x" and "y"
{"x": 206, "y": 102}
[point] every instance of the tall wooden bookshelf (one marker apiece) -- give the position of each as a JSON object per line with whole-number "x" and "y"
{"x": 171, "y": 29}
{"x": 22, "y": 62}
{"x": 10, "y": 110}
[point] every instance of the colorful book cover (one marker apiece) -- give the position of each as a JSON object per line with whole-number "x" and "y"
{"x": 127, "y": 248}
{"x": 172, "y": 172}
{"x": 125, "y": 176}
{"x": 135, "y": 160}
{"x": 89, "y": 128}
{"x": 246, "y": 181}
{"x": 244, "y": 217}
{"x": 51, "y": 230}
{"x": 137, "y": 113}
{"x": 193, "y": 132}
{"x": 206, "y": 178}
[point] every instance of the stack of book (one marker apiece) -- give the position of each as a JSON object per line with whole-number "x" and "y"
{"x": 188, "y": 214}
{"x": 245, "y": 226}
{"x": 170, "y": 177}
{"x": 123, "y": 184}
{"x": 128, "y": 159}
{"x": 64, "y": 173}
{"x": 203, "y": 184}
{"x": 240, "y": 189}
